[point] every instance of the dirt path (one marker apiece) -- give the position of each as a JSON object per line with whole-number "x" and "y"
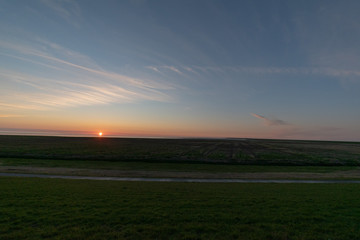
{"x": 352, "y": 174}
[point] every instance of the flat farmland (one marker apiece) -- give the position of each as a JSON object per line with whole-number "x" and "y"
{"x": 37, "y": 208}
{"x": 218, "y": 151}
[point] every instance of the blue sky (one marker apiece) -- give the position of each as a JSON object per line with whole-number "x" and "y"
{"x": 262, "y": 69}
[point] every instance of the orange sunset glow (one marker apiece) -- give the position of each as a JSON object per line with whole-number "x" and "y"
{"x": 176, "y": 77}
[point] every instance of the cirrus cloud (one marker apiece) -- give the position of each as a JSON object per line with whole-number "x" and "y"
{"x": 65, "y": 78}
{"x": 270, "y": 122}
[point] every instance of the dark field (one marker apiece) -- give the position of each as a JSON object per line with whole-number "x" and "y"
{"x": 231, "y": 151}
{"x": 80, "y": 209}
{"x": 84, "y": 209}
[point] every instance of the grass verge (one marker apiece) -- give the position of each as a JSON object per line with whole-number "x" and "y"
{"x": 83, "y": 209}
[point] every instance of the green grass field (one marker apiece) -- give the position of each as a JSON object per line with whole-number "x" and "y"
{"x": 177, "y": 158}
{"x": 240, "y": 152}
{"x": 80, "y": 209}
{"x": 32, "y": 208}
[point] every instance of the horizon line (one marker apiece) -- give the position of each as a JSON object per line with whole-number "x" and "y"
{"x": 94, "y": 134}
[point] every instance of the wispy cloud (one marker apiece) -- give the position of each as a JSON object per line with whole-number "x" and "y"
{"x": 174, "y": 69}
{"x": 76, "y": 80}
{"x": 296, "y": 71}
{"x": 70, "y": 11}
{"x": 189, "y": 69}
{"x": 322, "y": 71}
{"x": 155, "y": 69}
{"x": 59, "y": 62}
{"x": 181, "y": 70}
{"x": 48, "y": 93}
{"x": 270, "y": 122}
{"x": 10, "y": 116}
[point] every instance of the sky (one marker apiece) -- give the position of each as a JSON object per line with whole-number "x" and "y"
{"x": 181, "y": 68}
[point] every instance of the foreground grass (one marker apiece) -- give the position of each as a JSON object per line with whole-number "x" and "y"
{"x": 79, "y": 209}
{"x": 169, "y": 166}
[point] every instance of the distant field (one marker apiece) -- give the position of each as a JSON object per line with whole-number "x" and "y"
{"x": 83, "y": 209}
{"x": 241, "y": 151}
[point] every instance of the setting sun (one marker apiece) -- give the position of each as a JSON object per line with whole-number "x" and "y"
{"x": 100, "y": 134}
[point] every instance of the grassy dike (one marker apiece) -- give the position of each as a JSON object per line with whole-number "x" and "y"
{"x": 83, "y": 209}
